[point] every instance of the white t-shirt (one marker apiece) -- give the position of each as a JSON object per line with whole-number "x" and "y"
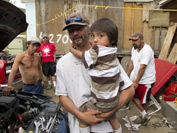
{"x": 144, "y": 56}
{"x": 74, "y": 81}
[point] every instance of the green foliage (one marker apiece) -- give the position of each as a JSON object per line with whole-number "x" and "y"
{"x": 7, "y": 0}
{"x": 23, "y": 33}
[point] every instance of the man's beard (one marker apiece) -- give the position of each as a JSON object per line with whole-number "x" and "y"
{"x": 135, "y": 46}
{"x": 80, "y": 43}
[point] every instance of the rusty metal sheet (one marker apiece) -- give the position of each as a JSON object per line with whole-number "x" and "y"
{"x": 50, "y": 15}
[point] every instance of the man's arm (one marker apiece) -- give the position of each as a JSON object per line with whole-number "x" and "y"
{"x": 130, "y": 68}
{"x": 88, "y": 117}
{"x": 11, "y": 77}
{"x": 54, "y": 55}
{"x": 40, "y": 70}
{"x": 125, "y": 96}
{"x": 140, "y": 74}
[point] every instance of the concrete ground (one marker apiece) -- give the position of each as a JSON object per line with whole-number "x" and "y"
{"x": 155, "y": 125}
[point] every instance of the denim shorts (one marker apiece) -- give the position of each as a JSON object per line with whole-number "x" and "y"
{"x": 35, "y": 88}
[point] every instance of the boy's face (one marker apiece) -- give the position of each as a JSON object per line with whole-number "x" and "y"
{"x": 100, "y": 38}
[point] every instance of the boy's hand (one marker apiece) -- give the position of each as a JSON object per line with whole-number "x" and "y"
{"x": 74, "y": 51}
{"x": 71, "y": 47}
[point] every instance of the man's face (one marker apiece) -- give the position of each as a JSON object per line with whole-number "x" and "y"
{"x": 45, "y": 39}
{"x": 137, "y": 43}
{"x": 78, "y": 34}
{"x": 33, "y": 47}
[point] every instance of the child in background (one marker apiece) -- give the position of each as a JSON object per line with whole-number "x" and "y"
{"x": 103, "y": 67}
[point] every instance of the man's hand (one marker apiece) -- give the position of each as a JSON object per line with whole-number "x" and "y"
{"x": 94, "y": 112}
{"x": 6, "y": 91}
{"x": 42, "y": 82}
{"x": 135, "y": 85}
{"x": 90, "y": 117}
{"x": 105, "y": 116}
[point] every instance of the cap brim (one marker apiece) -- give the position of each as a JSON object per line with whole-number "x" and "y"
{"x": 134, "y": 38}
{"x": 33, "y": 42}
{"x": 74, "y": 23}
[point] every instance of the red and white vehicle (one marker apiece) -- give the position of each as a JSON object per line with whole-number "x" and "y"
{"x": 5, "y": 68}
{"x": 12, "y": 23}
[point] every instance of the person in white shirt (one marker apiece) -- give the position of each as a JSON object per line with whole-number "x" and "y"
{"x": 103, "y": 67}
{"x": 74, "y": 83}
{"x": 142, "y": 70}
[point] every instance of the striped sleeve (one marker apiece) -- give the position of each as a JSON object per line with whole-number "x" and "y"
{"x": 90, "y": 56}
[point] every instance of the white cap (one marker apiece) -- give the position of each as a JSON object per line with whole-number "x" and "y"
{"x": 44, "y": 35}
{"x": 34, "y": 40}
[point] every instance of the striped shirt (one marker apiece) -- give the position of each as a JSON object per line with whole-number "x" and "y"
{"x": 103, "y": 67}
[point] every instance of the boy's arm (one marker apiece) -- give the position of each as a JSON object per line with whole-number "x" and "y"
{"x": 140, "y": 74}
{"x": 75, "y": 52}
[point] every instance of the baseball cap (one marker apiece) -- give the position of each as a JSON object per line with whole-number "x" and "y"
{"x": 44, "y": 35}
{"x": 34, "y": 40}
{"x": 135, "y": 36}
{"x": 76, "y": 18}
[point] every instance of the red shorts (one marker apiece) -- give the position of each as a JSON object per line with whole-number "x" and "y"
{"x": 143, "y": 92}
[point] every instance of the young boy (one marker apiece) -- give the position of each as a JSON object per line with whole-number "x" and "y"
{"x": 103, "y": 67}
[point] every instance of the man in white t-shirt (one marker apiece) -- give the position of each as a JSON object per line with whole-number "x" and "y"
{"x": 73, "y": 81}
{"x": 142, "y": 70}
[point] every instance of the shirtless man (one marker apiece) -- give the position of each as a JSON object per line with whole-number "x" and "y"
{"x": 29, "y": 66}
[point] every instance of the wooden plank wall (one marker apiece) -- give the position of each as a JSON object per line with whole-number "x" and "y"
{"x": 132, "y": 23}
{"x": 168, "y": 41}
{"x": 136, "y": 20}
{"x": 173, "y": 55}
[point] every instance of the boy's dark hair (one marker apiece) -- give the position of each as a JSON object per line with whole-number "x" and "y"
{"x": 109, "y": 27}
